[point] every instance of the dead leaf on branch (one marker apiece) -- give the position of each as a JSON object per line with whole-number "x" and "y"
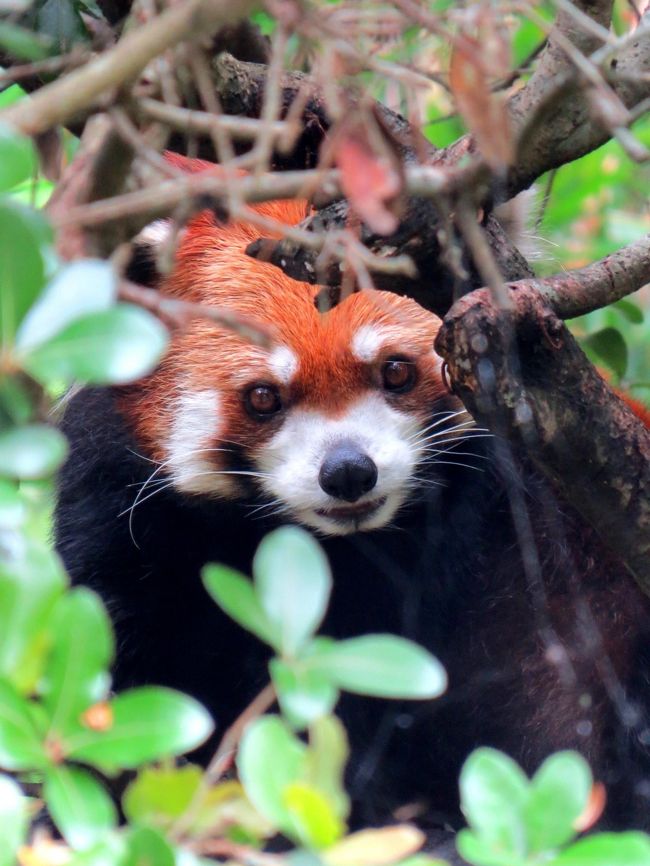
{"x": 372, "y": 177}
{"x": 476, "y": 62}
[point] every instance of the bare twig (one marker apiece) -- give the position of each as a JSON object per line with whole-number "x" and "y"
{"x": 575, "y": 293}
{"x": 178, "y": 314}
{"x": 223, "y": 756}
{"x": 204, "y": 123}
{"x": 57, "y": 102}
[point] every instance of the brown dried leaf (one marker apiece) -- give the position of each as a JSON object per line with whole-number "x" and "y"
{"x": 375, "y": 847}
{"x": 44, "y": 852}
{"x": 484, "y": 112}
{"x": 371, "y": 176}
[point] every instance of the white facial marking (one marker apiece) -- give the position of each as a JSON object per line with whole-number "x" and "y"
{"x": 283, "y": 363}
{"x": 368, "y": 340}
{"x": 155, "y": 233}
{"x": 294, "y": 456}
{"x": 191, "y": 445}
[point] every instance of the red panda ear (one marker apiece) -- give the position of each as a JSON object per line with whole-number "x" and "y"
{"x": 146, "y": 246}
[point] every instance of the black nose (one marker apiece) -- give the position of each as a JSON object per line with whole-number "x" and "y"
{"x": 347, "y": 473}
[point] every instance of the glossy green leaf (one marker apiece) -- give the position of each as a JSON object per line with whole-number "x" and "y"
{"x": 304, "y": 695}
{"x": 13, "y": 820}
{"x": 16, "y": 155}
{"x": 80, "y": 806}
{"x": 293, "y": 582}
{"x": 326, "y": 759}
{"x": 76, "y": 675}
{"x": 380, "y": 665}
{"x": 31, "y": 452}
{"x": 21, "y": 747}
{"x": 610, "y": 346}
{"x": 17, "y": 400}
{"x": 111, "y": 850}
{"x": 148, "y": 847}
{"x": 24, "y": 244}
{"x": 236, "y": 596}
{"x": 270, "y": 759}
{"x": 559, "y": 793}
{"x": 313, "y": 816}
{"x": 13, "y": 513}
{"x": 148, "y": 724}
{"x": 607, "y": 849}
{"x": 494, "y": 792}
{"x": 477, "y": 851}
{"x": 31, "y": 581}
{"x": 79, "y": 289}
{"x": 110, "y": 347}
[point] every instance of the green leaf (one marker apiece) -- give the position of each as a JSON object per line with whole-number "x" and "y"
{"x": 31, "y": 581}
{"x": 31, "y": 452}
{"x": 16, "y": 155}
{"x": 270, "y": 759}
{"x": 147, "y": 847}
{"x": 476, "y": 850}
{"x": 381, "y": 665}
{"x": 76, "y": 675}
{"x": 13, "y": 820}
{"x": 79, "y": 805}
{"x": 112, "y": 850}
{"x": 148, "y": 724}
{"x": 608, "y": 849}
{"x": 293, "y": 582}
{"x": 24, "y": 243}
{"x": 314, "y": 818}
{"x": 17, "y": 398}
{"x": 20, "y": 745}
{"x": 23, "y": 43}
{"x": 110, "y": 347}
{"x": 493, "y": 792}
{"x": 13, "y": 513}
{"x": 159, "y": 795}
{"x": 630, "y": 310}
{"x": 236, "y": 596}
{"x": 304, "y": 695}
{"x": 610, "y": 346}
{"x": 78, "y": 290}
{"x": 326, "y": 759}
{"x": 559, "y": 793}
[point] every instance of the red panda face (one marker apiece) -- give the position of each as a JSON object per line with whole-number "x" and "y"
{"x": 328, "y": 426}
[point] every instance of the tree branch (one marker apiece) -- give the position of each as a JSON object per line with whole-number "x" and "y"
{"x": 575, "y": 293}
{"x": 528, "y": 381}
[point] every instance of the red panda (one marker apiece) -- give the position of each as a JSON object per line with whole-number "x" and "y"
{"x": 344, "y": 426}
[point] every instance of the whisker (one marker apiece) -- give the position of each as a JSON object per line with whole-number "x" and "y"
{"x": 435, "y": 462}
{"x": 464, "y": 427}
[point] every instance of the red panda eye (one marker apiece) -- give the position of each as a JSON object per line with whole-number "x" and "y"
{"x": 398, "y": 374}
{"x": 263, "y": 400}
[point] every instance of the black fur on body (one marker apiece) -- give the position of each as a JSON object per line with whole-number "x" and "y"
{"x": 534, "y": 666}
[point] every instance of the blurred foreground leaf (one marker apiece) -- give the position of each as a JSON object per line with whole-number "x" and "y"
{"x": 31, "y": 452}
